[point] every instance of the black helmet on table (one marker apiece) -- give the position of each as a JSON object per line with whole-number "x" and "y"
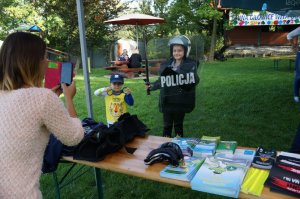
{"x": 180, "y": 40}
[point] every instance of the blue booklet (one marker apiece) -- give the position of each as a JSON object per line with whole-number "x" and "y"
{"x": 205, "y": 148}
{"x": 200, "y": 147}
{"x": 220, "y": 176}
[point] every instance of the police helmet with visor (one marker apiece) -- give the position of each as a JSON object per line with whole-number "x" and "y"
{"x": 180, "y": 40}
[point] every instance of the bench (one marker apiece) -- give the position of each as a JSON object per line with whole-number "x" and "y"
{"x": 122, "y": 67}
{"x": 115, "y": 67}
{"x": 127, "y": 70}
{"x": 119, "y": 63}
{"x": 112, "y": 68}
{"x": 131, "y": 72}
{"x": 276, "y": 60}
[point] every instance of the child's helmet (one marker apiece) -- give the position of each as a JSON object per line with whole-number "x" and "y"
{"x": 180, "y": 40}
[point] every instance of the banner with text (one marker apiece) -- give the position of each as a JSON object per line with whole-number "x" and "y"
{"x": 261, "y": 19}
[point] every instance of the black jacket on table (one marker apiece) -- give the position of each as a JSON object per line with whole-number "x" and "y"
{"x": 177, "y": 88}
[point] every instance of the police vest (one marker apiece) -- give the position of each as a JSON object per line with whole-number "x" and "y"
{"x": 177, "y": 79}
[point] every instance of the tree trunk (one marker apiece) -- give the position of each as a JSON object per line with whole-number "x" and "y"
{"x": 213, "y": 41}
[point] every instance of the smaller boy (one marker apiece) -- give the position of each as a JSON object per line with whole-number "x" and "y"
{"x": 116, "y": 98}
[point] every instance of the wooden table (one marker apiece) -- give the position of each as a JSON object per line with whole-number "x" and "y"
{"x": 151, "y": 62}
{"x": 115, "y": 68}
{"x": 277, "y": 59}
{"x": 112, "y": 68}
{"x": 119, "y": 63}
{"x": 154, "y": 61}
{"x": 122, "y": 67}
{"x": 133, "y": 164}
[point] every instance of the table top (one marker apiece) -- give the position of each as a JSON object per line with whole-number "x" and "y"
{"x": 287, "y": 57}
{"x": 143, "y": 61}
{"x": 132, "y": 70}
{"x": 155, "y": 60}
{"x": 133, "y": 164}
{"x": 111, "y": 68}
{"x": 119, "y": 63}
{"x": 115, "y": 67}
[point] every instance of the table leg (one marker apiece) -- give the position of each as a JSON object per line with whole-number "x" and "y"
{"x": 99, "y": 183}
{"x": 291, "y": 62}
{"x": 67, "y": 178}
{"x": 277, "y": 63}
{"x": 56, "y": 184}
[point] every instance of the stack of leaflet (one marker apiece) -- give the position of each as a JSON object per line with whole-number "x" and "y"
{"x": 226, "y": 147}
{"x": 206, "y": 146}
{"x": 254, "y": 181}
{"x": 244, "y": 154}
{"x": 284, "y": 176}
{"x": 263, "y": 158}
{"x": 211, "y": 138}
{"x": 186, "y": 144}
{"x": 185, "y": 171}
{"x": 220, "y": 176}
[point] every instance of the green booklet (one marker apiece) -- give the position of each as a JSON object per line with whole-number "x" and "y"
{"x": 226, "y": 147}
{"x": 185, "y": 170}
{"x": 211, "y": 138}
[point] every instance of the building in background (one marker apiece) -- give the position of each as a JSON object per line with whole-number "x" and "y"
{"x": 260, "y": 34}
{"x": 260, "y": 28}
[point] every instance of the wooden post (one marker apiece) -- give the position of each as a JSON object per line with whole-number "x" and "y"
{"x": 89, "y": 64}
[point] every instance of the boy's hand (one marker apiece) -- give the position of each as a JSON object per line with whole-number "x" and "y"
{"x": 108, "y": 89}
{"x": 127, "y": 91}
{"x": 148, "y": 86}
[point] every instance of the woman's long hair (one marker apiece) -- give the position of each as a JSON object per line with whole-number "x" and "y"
{"x": 20, "y": 61}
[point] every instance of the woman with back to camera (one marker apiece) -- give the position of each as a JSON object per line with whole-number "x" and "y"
{"x": 28, "y": 113}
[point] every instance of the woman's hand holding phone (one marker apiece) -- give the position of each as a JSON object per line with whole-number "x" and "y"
{"x": 57, "y": 90}
{"x": 69, "y": 91}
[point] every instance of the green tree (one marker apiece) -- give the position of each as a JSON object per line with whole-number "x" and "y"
{"x": 62, "y": 23}
{"x": 196, "y": 17}
{"x": 15, "y": 13}
{"x": 59, "y": 21}
{"x": 161, "y": 9}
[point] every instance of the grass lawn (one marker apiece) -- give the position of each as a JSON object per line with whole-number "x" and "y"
{"x": 240, "y": 99}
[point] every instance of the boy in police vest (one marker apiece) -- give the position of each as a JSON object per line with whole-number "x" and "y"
{"x": 116, "y": 98}
{"x": 177, "y": 84}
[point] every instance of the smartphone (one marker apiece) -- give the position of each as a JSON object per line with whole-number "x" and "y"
{"x": 66, "y": 75}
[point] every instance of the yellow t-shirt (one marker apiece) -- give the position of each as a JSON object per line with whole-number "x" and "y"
{"x": 115, "y": 106}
